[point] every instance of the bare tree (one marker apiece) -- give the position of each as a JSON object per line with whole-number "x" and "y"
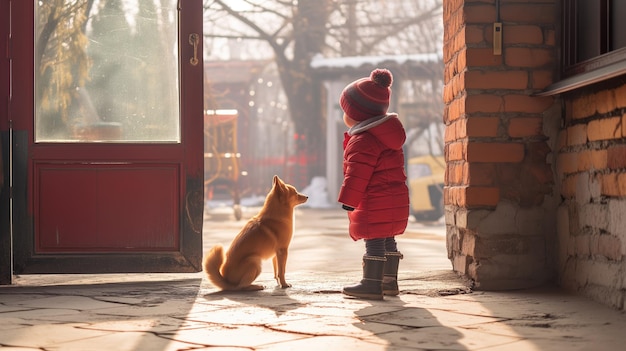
{"x": 297, "y": 30}
{"x": 362, "y": 27}
{"x": 61, "y": 60}
{"x": 374, "y": 27}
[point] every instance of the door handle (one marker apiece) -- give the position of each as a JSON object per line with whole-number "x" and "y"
{"x": 194, "y": 39}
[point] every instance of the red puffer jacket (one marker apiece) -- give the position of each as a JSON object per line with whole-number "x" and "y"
{"x": 374, "y": 178}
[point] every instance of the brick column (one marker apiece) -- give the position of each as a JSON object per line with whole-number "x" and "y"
{"x": 499, "y": 180}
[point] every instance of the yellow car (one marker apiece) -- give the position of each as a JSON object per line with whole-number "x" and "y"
{"x": 425, "y": 176}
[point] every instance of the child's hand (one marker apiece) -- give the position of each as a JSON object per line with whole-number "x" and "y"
{"x": 347, "y": 208}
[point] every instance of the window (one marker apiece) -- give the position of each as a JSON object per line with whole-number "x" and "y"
{"x": 593, "y": 44}
{"x": 593, "y": 35}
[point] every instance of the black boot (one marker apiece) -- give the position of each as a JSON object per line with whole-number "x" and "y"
{"x": 390, "y": 275}
{"x": 371, "y": 286}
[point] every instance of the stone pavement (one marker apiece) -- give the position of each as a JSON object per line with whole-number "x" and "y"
{"x": 435, "y": 310}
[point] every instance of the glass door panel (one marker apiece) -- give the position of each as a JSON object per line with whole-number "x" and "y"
{"x": 106, "y": 71}
{"x": 107, "y": 138}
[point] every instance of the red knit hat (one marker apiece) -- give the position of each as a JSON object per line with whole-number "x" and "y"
{"x": 367, "y": 97}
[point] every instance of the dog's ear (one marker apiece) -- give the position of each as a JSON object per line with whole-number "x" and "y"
{"x": 278, "y": 183}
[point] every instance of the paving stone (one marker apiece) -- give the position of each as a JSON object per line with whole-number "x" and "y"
{"x": 46, "y": 335}
{"x": 436, "y": 310}
{"x": 124, "y": 341}
{"x": 331, "y": 325}
{"x": 5, "y": 309}
{"x": 43, "y": 314}
{"x": 328, "y": 343}
{"x": 11, "y": 295}
{"x": 443, "y": 337}
{"x": 232, "y": 336}
{"x": 249, "y": 315}
{"x": 420, "y": 318}
{"x": 154, "y": 308}
{"x": 78, "y": 303}
{"x": 154, "y": 325}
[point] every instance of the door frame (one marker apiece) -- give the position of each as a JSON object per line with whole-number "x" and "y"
{"x": 20, "y": 113}
{"x": 6, "y": 259}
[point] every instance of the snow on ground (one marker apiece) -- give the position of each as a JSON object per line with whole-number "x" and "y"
{"x": 316, "y": 191}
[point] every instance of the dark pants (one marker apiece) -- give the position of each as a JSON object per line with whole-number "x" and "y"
{"x": 378, "y": 247}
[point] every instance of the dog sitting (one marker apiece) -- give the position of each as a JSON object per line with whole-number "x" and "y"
{"x": 266, "y": 235}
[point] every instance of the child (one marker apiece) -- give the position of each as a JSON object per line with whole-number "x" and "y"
{"x": 374, "y": 190}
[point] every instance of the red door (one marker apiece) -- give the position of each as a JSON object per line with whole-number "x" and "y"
{"x": 107, "y": 137}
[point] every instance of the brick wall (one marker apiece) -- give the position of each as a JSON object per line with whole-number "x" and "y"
{"x": 535, "y": 186}
{"x": 591, "y": 168}
{"x": 499, "y": 193}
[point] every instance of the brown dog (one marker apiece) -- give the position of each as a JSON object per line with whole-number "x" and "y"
{"x": 266, "y": 235}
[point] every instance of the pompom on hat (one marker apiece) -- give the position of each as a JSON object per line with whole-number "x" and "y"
{"x": 367, "y": 97}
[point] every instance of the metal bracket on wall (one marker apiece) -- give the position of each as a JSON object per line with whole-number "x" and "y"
{"x": 497, "y": 38}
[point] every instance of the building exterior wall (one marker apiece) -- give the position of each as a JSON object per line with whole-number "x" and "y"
{"x": 591, "y": 217}
{"x": 535, "y": 185}
{"x": 499, "y": 194}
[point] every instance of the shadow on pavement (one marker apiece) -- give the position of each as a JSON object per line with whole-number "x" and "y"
{"x": 276, "y": 300}
{"x": 401, "y": 327}
{"x": 78, "y": 316}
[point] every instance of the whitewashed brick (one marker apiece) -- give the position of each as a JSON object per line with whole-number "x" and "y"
{"x": 473, "y": 218}
{"x": 617, "y": 221}
{"x": 588, "y": 188}
{"x": 609, "y": 246}
{"x": 582, "y": 246}
{"x": 532, "y": 221}
{"x": 459, "y": 263}
{"x": 500, "y": 221}
{"x": 563, "y": 237}
{"x": 601, "y": 272}
{"x": 594, "y": 215}
{"x": 511, "y": 267}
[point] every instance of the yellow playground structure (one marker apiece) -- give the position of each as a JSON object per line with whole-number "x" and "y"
{"x": 221, "y": 158}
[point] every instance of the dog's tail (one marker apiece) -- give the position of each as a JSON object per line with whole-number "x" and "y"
{"x": 212, "y": 263}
